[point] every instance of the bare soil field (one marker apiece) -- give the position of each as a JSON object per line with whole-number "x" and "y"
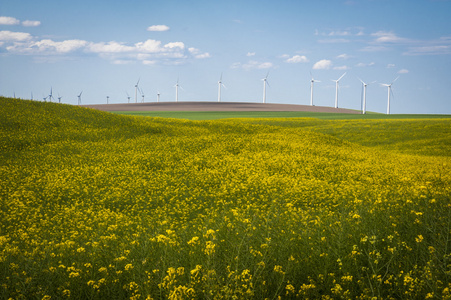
{"x": 216, "y": 106}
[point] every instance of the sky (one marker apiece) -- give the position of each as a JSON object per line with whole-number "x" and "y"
{"x": 102, "y": 48}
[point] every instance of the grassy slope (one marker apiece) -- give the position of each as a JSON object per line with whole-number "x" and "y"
{"x": 88, "y": 196}
{"x": 295, "y": 114}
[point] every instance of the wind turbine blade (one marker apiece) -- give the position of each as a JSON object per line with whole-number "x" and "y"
{"x": 267, "y": 75}
{"x": 341, "y": 76}
{"x": 220, "y": 79}
{"x": 223, "y": 85}
{"x": 395, "y": 80}
{"x": 361, "y": 81}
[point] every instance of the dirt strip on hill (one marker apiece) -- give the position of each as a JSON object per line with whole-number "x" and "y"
{"x": 216, "y": 106}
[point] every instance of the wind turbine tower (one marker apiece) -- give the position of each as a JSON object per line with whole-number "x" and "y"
{"x": 364, "y": 96}
{"x": 219, "y": 88}
{"x": 312, "y": 81}
{"x": 158, "y": 96}
{"x": 336, "y": 89}
{"x": 142, "y": 94}
{"x": 177, "y": 91}
{"x": 389, "y": 93}
{"x": 265, "y": 82}
{"x": 107, "y": 99}
{"x": 59, "y": 98}
{"x": 128, "y": 97}
{"x": 136, "y": 91}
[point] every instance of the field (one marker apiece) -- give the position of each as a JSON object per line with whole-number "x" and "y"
{"x": 95, "y": 205}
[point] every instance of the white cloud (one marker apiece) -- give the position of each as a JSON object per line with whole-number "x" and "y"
{"x": 341, "y": 68}
{"x": 203, "y": 55}
{"x": 10, "y": 36}
{"x": 403, "y": 71}
{"x": 110, "y": 47}
{"x": 149, "y": 46}
{"x": 251, "y": 65}
{"x": 323, "y": 64}
{"x": 250, "y": 54}
{"x": 8, "y": 21}
{"x": 389, "y": 66}
{"x": 297, "y": 59}
{"x": 387, "y": 37}
{"x": 29, "y": 23}
{"x": 339, "y": 33}
{"x": 344, "y": 56}
{"x": 362, "y": 65}
{"x": 174, "y": 45}
{"x": 197, "y": 54}
{"x": 158, "y": 28}
{"x": 60, "y": 47}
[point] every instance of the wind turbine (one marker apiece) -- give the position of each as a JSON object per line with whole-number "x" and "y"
{"x": 59, "y": 98}
{"x": 265, "y": 82}
{"x": 142, "y": 94}
{"x": 51, "y": 95}
{"x": 364, "y": 94}
{"x": 219, "y": 88}
{"x": 128, "y": 97}
{"x": 158, "y": 96}
{"x": 177, "y": 90}
{"x": 31, "y": 95}
{"x": 336, "y": 89}
{"x": 107, "y": 99}
{"x": 311, "y": 88}
{"x": 389, "y": 92}
{"x": 79, "y": 97}
{"x": 45, "y": 99}
{"x": 136, "y": 91}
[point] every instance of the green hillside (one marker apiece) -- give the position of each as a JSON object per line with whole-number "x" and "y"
{"x": 101, "y": 206}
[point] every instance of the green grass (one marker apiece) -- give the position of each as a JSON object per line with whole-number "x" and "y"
{"x": 215, "y": 115}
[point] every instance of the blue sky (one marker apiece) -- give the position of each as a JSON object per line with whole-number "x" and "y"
{"x": 103, "y": 47}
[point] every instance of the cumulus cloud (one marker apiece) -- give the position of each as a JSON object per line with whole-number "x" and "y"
{"x": 147, "y": 52}
{"x": 250, "y": 54}
{"x": 389, "y": 66}
{"x": 29, "y": 23}
{"x": 403, "y": 71}
{"x": 158, "y": 28}
{"x": 323, "y": 64}
{"x": 149, "y": 46}
{"x": 8, "y": 21}
{"x": 173, "y": 45}
{"x": 10, "y": 36}
{"x": 297, "y": 59}
{"x": 110, "y": 47}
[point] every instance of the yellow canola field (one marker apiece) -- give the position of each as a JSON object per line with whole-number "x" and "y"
{"x": 100, "y": 206}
